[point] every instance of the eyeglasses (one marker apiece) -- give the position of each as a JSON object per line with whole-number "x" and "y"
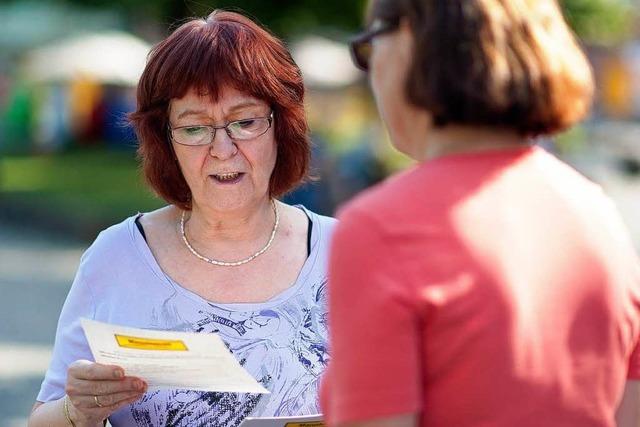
{"x": 361, "y": 45}
{"x": 238, "y": 130}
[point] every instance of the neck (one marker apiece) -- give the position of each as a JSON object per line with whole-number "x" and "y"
{"x": 209, "y": 227}
{"x": 433, "y": 142}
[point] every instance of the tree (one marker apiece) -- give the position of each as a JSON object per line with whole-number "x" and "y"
{"x": 595, "y": 21}
{"x": 284, "y": 17}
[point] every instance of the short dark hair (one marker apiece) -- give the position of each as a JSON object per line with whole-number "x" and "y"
{"x": 226, "y": 48}
{"x": 506, "y": 63}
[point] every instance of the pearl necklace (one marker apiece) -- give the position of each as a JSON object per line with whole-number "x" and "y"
{"x": 232, "y": 263}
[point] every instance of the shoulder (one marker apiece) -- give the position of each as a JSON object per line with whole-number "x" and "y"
{"x": 323, "y": 225}
{"x": 322, "y": 229}
{"x": 103, "y": 261}
{"x": 113, "y": 245}
{"x": 160, "y": 218}
{"x": 114, "y": 236}
{"x": 326, "y": 224}
{"x": 122, "y": 242}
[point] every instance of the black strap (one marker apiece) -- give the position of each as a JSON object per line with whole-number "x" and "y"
{"x": 140, "y": 228}
{"x": 309, "y": 228}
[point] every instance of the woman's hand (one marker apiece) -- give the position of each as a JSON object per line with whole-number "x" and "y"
{"x": 96, "y": 391}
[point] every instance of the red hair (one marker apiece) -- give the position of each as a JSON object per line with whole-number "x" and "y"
{"x": 225, "y": 49}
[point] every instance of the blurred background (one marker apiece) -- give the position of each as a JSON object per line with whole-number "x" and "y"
{"x": 68, "y": 71}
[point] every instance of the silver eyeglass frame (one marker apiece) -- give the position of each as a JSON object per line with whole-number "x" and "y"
{"x": 213, "y": 129}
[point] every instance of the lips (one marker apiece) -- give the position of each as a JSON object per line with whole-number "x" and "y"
{"x": 227, "y": 177}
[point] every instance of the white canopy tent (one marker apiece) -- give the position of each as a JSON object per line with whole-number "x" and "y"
{"x": 110, "y": 58}
{"x": 325, "y": 63}
{"x": 117, "y": 57}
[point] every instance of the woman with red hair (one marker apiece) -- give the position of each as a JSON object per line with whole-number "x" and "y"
{"x": 222, "y": 131}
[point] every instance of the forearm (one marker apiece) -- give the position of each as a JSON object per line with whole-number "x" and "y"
{"x": 51, "y": 414}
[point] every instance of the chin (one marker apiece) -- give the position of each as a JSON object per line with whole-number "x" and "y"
{"x": 226, "y": 204}
{"x": 394, "y": 124}
{"x": 221, "y": 202}
{"x": 231, "y": 202}
{"x": 404, "y": 150}
{"x": 402, "y": 143}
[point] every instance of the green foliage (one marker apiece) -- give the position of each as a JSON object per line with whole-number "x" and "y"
{"x": 284, "y": 17}
{"x": 92, "y": 188}
{"x": 287, "y": 17}
{"x": 596, "y": 21}
{"x": 600, "y": 22}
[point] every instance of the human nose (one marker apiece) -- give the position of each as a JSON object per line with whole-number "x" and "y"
{"x": 222, "y": 146}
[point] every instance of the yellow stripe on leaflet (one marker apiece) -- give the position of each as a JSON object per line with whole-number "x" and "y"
{"x": 150, "y": 343}
{"x": 309, "y": 424}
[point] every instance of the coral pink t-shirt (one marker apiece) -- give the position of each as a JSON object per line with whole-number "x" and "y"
{"x": 489, "y": 289}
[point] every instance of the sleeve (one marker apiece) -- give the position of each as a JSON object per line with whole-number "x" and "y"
{"x": 375, "y": 342}
{"x": 634, "y": 364}
{"x": 70, "y": 342}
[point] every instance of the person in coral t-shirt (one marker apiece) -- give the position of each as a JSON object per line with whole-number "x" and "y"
{"x": 491, "y": 285}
